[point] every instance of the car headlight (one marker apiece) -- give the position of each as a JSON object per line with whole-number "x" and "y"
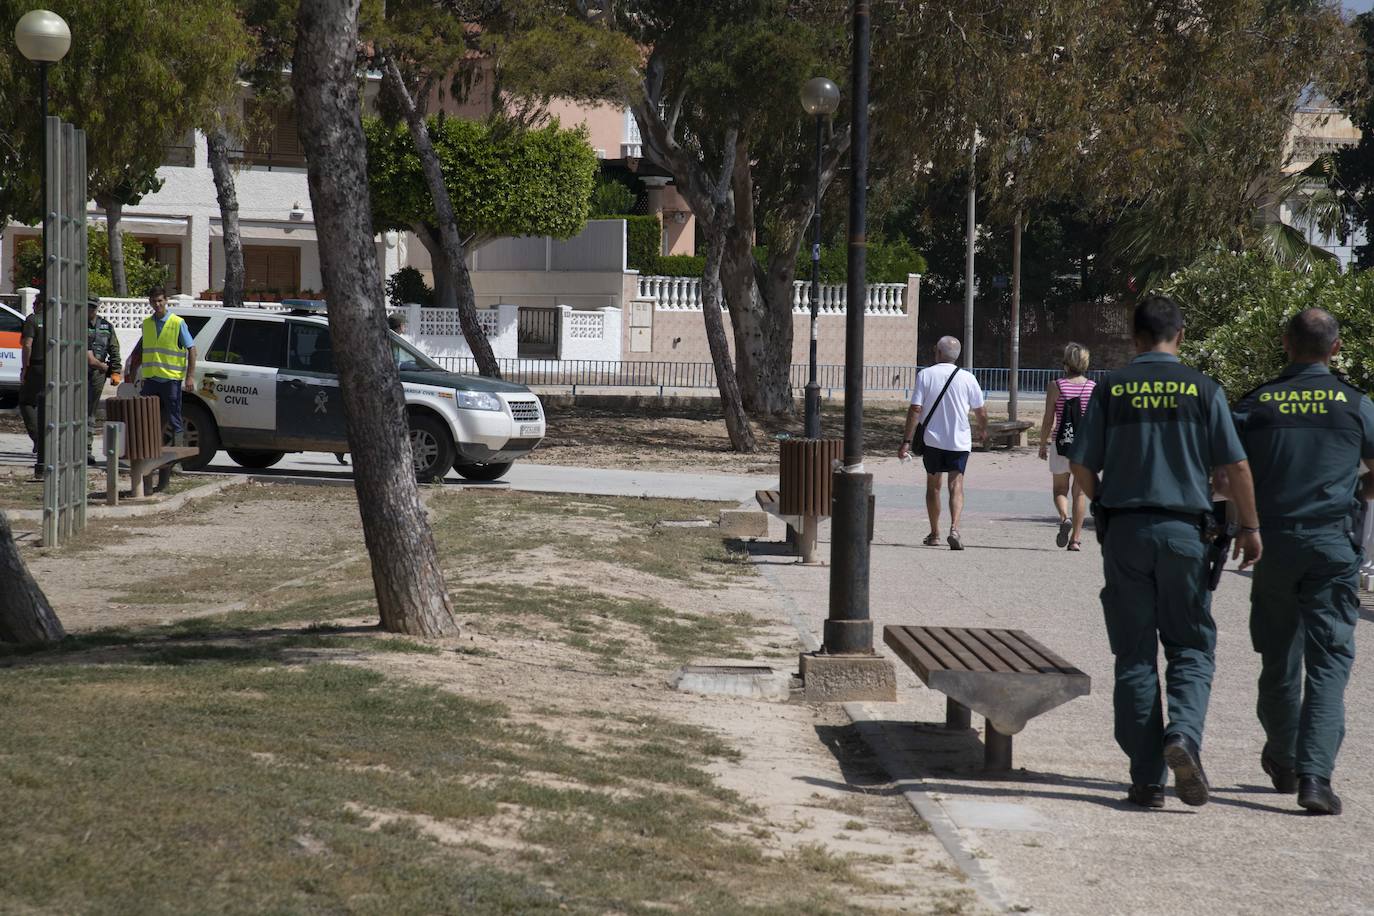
{"x": 478, "y": 400}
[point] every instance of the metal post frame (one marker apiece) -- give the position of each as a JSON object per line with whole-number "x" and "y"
{"x": 64, "y": 329}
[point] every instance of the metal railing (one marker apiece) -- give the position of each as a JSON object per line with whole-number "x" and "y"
{"x": 662, "y": 375}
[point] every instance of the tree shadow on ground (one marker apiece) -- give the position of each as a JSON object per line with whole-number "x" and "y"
{"x": 156, "y": 646}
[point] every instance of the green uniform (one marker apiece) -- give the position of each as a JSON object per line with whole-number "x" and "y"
{"x": 32, "y": 399}
{"x": 1305, "y": 432}
{"x": 1154, "y": 430}
{"x": 103, "y": 344}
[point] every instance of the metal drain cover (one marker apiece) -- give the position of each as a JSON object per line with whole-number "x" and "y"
{"x": 726, "y": 669}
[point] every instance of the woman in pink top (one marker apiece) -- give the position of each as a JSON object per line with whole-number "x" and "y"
{"x": 1057, "y": 393}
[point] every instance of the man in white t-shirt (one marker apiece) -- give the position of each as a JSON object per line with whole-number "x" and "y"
{"x": 948, "y": 436}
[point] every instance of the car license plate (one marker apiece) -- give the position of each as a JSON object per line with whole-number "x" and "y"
{"x": 530, "y": 429}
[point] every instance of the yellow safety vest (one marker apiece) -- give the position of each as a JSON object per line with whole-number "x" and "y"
{"x": 163, "y": 357}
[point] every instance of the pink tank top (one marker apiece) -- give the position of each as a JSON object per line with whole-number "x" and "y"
{"x": 1081, "y": 388}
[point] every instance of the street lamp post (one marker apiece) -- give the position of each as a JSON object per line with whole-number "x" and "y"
{"x": 43, "y": 37}
{"x": 819, "y": 97}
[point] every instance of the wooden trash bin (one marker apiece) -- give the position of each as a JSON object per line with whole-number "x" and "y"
{"x": 805, "y": 474}
{"x": 142, "y": 419}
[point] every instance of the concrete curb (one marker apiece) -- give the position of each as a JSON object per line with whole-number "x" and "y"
{"x": 138, "y": 510}
{"x": 926, "y": 806}
{"x": 929, "y": 808}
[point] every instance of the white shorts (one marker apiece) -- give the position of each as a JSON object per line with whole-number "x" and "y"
{"x": 1058, "y": 463}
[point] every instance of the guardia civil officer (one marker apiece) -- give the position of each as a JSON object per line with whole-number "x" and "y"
{"x": 102, "y": 362}
{"x": 1306, "y": 433}
{"x": 1154, "y": 431}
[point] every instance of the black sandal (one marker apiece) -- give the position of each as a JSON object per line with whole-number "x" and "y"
{"x": 932, "y": 540}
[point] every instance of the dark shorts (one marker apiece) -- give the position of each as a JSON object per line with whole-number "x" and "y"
{"x": 939, "y": 461}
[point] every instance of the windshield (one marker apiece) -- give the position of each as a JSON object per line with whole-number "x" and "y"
{"x": 409, "y": 358}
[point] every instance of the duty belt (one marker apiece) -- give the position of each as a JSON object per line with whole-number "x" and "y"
{"x": 1301, "y": 524}
{"x": 1193, "y": 518}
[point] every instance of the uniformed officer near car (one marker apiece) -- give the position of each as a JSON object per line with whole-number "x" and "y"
{"x": 33, "y": 381}
{"x": 1153, "y": 433}
{"x": 102, "y": 359}
{"x": 1306, "y": 433}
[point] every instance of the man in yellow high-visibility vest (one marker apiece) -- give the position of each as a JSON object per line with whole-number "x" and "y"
{"x": 165, "y": 360}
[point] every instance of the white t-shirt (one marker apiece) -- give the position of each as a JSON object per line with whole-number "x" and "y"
{"x": 948, "y": 427}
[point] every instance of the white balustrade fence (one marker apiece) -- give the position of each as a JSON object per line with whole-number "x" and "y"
{"x": 591, "y": 334}
{"x": 683, "y": 294}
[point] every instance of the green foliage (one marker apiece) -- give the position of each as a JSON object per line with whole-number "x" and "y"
{"x": 610, "y": 198}
{"x": 503, "y": 181}
{"x": 679, "y": 265}
{"x": 407, "y": 286}
{"x": 141, "y": 271}
{"x": 643, "y": 242}
{"x": 1236, "y": 306}
{"x": 889, "y": 261}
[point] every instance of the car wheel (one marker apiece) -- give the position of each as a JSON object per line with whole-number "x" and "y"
{"x": 431, "y": 445}
{"x": 494, "y": 471}
{"x": 199, "y": 430}
{"x": 255, "y": 460}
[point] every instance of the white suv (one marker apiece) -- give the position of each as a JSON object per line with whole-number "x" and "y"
{"x": 266, "y": 385}
{"x": 11, "y": 323}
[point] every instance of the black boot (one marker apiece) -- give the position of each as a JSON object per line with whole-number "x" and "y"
{"x": 1150, "y": 796}
{"x": 1285, "y": 779}
{"x": 1315, "y": 794}
{"x": 1190, "y": 782}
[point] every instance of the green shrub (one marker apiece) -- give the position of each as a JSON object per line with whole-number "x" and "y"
{"x": 407, "y": 286}
{"x": 887, "y": 262}
{"x": 644, "y": 241}
{"x": 1236, "y": 306}
{"x": 610, "y": 198}
{"x": 140, "y": 272}
{"x": 679, "y": 265}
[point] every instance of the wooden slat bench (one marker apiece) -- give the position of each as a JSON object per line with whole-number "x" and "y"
{"x": 770, "y": 501}
{"x": 1003, "y": 675}
{"x": 1006, "y": 433}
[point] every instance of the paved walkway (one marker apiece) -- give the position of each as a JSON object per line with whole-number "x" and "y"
{"x": 1056, "y": 835}
{"x": 15, "y": 450}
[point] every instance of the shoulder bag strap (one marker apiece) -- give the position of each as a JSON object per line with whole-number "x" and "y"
{"x": 948, "y": 382}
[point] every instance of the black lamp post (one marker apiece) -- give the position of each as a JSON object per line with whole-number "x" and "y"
{"x": 43, "y": 37}
{"x": 819, "y": 97}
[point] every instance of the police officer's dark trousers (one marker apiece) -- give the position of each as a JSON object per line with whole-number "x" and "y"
{"x": 95, "y": 387}
{"x": 1156, "y": 593}
{"x": 1304, "y": 602}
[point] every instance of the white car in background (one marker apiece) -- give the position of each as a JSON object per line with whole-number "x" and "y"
{"x": 266, "y": 385}
{"x": 11, "y": 323}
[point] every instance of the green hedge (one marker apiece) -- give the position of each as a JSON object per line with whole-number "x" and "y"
{"x": 644, "y": 240}
{"x": 679, "y": 265}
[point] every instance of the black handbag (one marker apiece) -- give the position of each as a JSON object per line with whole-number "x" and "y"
{"x": 918, "y": 442}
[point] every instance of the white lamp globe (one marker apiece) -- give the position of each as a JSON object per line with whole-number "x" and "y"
{"x": 820, "y": 96}
{"x": 43, "y": 36}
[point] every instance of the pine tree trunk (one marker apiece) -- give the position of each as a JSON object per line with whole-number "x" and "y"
{"x": 761, "y": 318}
{"x": 712, "y": 297}
{"x": 25, "y": 614}
{"x": 460, "y": 280}
{"x": 114, "y": 213}
{"x": 444, "y": 295}
{"x": 217, "y": 142}
{"x": 406, "y": 574}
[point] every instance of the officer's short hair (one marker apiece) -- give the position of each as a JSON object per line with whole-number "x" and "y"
{"x": 1157, "y": 319}
{"x": 1076, "y": 358}
{"x": 155, "y": 291}
{"x": 1312, "y": 333}
{"x": 396, "y": 321}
